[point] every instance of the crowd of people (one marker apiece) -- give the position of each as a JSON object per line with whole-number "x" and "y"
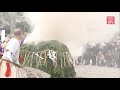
{"x": 102, "y": 54}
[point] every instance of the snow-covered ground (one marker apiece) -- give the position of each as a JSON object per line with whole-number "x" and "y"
{"x": 89, "y": 71}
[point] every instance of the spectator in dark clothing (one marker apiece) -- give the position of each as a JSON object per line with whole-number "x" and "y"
{"x": 109, "y": 52}
{"x": 108, "y": 59}
{"x": 90, "y": 54}
{"x": 80, "y": 59}
{"x": 94, "y": 53}
{"x": 87, "y": 55}
{"x": 100, "y": 59}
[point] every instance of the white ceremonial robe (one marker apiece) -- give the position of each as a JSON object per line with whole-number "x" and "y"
{"x": 14, "y": 47}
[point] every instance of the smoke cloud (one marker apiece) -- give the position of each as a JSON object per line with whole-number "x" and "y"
{"x": 71, "y": 28}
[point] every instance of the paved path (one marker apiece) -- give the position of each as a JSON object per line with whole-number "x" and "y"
{"x": 88, "y": 71}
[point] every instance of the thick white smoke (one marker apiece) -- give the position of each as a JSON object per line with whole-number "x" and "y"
{"x": 71, "y": 28}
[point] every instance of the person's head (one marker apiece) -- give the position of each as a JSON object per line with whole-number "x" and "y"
{"x": 18, "y": 33}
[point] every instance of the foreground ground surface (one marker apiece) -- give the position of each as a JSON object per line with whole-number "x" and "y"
{"x": 89, "y": 71}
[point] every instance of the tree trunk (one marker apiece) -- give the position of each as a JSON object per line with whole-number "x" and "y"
{"x": 12, "y": 22}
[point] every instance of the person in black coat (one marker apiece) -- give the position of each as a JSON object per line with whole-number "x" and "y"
{"x": 108, "y": 59}
{"x": 87, "y": 55}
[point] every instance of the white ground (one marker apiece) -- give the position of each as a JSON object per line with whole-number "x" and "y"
{"x": 88, "y": 71}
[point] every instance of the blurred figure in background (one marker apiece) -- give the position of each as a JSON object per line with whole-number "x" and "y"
{"x": 87, "y": 54}
{"x": 108, "y": 59}
{"x": 100, "y": 59}
{"x": 4, "y": 44}
{"x": 94, "y": 50}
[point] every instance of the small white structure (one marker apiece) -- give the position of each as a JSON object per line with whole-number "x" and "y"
{"x": 2, "y": 35}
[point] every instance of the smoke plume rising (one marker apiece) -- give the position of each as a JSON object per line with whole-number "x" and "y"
{"x": 71, "y": 28}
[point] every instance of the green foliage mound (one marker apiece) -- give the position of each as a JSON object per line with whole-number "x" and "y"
{"x": 63, "y": 68}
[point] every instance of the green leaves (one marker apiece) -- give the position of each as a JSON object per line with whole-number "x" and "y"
{"x": 63, "y": 69}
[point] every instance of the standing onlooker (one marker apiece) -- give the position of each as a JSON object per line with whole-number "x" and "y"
{"x": 108, "y": 59}
{"x": 87, "y": 55}
{"x": 100, "y": 59}
{"x": 4, "y": 44}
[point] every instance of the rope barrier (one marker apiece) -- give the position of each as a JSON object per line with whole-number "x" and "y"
{"x": 39, "y": 58}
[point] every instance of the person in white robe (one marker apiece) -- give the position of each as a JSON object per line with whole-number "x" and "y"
{"x": 11, "y": 54}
